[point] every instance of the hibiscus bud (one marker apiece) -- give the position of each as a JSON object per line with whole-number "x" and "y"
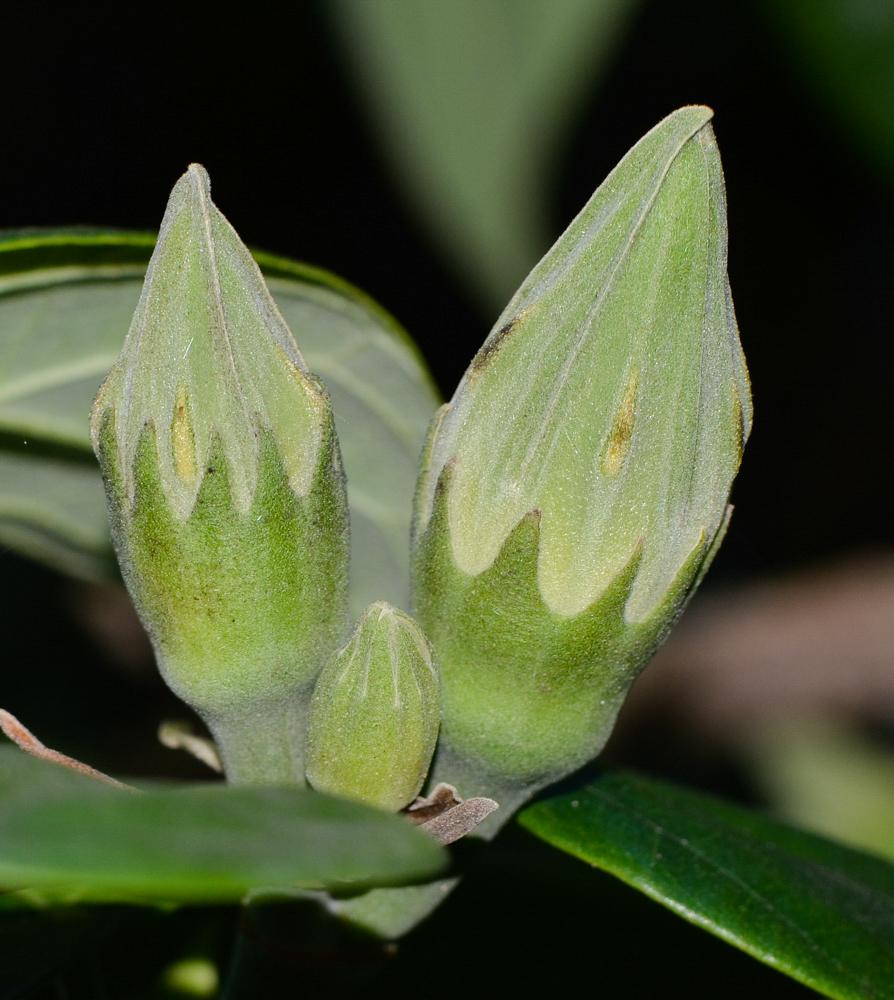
{"x": 576, "y": 488}
{"x": 225, "y": 490}
{"x": 375, "y": 713}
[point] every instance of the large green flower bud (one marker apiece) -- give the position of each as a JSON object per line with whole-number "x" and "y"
{"x": 225, "y": 490}
{"x": 375, "y": 713}
{"x": 577, "y": 486}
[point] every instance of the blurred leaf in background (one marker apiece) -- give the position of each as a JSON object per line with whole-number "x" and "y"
{"x": 472, "y": 100}
{"x": 845, "y": 50}
{"x": 824, "y": 773}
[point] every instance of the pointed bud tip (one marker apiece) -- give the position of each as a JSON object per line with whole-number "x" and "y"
{"x": 196, "y": 181}
{"x": 200, "y": 173}
{"x": 209, "y": 355}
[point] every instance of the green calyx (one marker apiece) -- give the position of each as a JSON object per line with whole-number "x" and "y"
{"x": 529, "y": 695}
{"x": 234, "y": 603}
{"x": 225, "y": 490}
{"x": 375, "y": 713}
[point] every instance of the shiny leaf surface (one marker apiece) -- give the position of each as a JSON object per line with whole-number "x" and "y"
{"x": 820, "y": 912}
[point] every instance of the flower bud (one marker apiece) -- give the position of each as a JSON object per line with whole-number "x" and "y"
{"x": 576, "y": 487}
{"x": 225, "y": 490}
{"x": 375, "y": 713}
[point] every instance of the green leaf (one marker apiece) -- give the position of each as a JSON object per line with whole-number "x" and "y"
{"x": 53, "y": 509}
{"x": 817, "y": 911}
{"x": 472, "y": 99}
{"x": 72, "y": 838}
{"x": 845, "y": 50}
{"x": 66, "y": 301}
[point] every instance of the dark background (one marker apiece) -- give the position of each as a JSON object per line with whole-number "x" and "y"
{"x": 103, "y": 111}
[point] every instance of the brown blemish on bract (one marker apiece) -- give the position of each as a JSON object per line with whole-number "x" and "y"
{"x": 493, "y": 344}
{"x": 740, "y": 420}
{"x": 622, "y": 430}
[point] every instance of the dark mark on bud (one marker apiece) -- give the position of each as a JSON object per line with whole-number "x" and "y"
{"x": 493, "y": 344}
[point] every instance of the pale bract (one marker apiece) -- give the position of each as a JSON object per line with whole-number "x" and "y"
{"x": 208, "y": 353}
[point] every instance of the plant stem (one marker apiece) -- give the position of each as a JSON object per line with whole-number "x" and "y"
{"x": 264, "y": 745}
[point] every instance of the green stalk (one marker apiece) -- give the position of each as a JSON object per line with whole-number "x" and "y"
{"x": 264, "y": 745}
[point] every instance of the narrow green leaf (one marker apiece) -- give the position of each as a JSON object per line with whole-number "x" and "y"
{"x": 72, "y": 838}
{"x": 820, "y": 912}
{"x": 38, "y": 250}
{"x": 66, "y": 299}
{"x": 472, "y": 99}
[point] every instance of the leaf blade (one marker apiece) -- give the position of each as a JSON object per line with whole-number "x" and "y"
{"x": 73, "y": 839}
{"x": 817, "y": 911}
{"x": 53, "y": 509}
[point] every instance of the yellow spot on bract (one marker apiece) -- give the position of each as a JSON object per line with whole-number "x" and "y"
{"x": 193, "y": 977}
{"x": 622, "y": 430}
{"x": 182, "y": 442}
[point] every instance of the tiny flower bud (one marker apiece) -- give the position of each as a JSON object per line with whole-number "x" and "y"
{"x": 375, "y": 713}
{"x": 225, "y": 490}
{"x": 577, "y": 486}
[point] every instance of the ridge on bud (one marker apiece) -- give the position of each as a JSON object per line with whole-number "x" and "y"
{"x": 606, "y": 411}
{"x": 375, "y": 713}
{"x": 225, "y": 490}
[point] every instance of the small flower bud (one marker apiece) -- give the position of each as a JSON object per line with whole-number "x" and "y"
{"x": 375, "y": 713}
{"x": 225, "y": 490}
{"x": 577, "y": 486}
